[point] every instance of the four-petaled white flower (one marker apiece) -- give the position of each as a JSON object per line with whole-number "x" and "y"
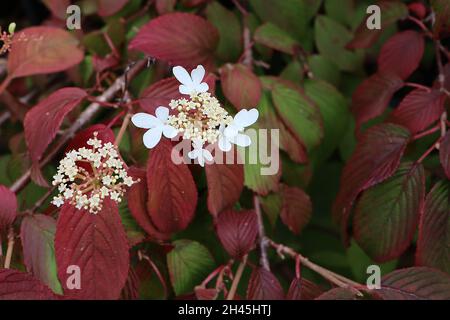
{"x": 199, "y": 153}
{"x": 157, "y": 126}
{"x": 191, "y": 83}
{"x": 232, "y": 133}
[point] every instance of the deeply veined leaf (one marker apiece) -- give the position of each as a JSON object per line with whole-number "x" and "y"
{"x": 373, "y": 95}
{"x": 240, "y": 86}
{"x": 263, "y": 285}
{"x": 43, "y": 120}
{"x": 97, "y": 244}
{"x": 338, "y": 294}
{"x": 419, "y": 109}
{"x": 391, "y": 12}
{"x": 433, "y": 244}
{"x": 417, "y": 283}
{"x": 37, "y": 233}
{"x": 189, "y": 263}
{"x": 444, "y": 154}
{"x": 237, "y": 231}
{"x": 38, "y": 50}
{"x": 387, "y": 215}
{"x": 303, "y": 289}
{"x": 16, "y": 285}
{"x": 172, "y": 193}
{"x": 179, "y": 39}
{"x": 225, "y": 184}
{"x": 296, "y": 208}
{"x": 8, "y": 208}
{"x": 299, "y": 114}
{"x": 376, "y": 158}
{"x": 392, "y": 57}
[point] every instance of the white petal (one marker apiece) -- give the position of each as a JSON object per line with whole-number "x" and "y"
{"x": 197, "y": 144}
{"x": 182, "y": 75}
{"x": 245, "y": 118}
{"x": 202, "y": 87}
{"x": 162, "y": 113}
{"x": 185, "y": 89}
{"x": 197, "y": 74}
{"x": 242, "y": 140}
{"x": 201, "y": 161}
{"x": 169, "y": 131}
{"x": 152, "y": 137}
{"x": 207, "y": 155}
{"x": 231, "y": 131}
{"x": 193, "y": 154}
{"x": 224, "y": 144}
{"x": 144, "y": 120}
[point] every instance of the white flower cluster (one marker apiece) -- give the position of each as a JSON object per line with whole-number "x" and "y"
{"x": 199, "y": 118}
{"x": 85, "y": 189}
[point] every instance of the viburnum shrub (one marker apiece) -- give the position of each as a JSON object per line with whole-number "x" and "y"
{"x": 245, "y": 149}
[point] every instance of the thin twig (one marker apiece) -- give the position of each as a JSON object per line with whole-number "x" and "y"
{"x": 9, "y": 250}
{"x": 123, "y": 128}
{"x": 264, "y": 261}
{"x": 237, "y": 278}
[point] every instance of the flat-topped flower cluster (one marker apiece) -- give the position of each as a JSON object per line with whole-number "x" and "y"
{"x": 86, "y": 189}
{"x": 198, "y": 117}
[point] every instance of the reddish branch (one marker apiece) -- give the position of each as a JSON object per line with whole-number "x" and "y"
{"x": 264, "y": 261}
{"x": 83, "y": 119}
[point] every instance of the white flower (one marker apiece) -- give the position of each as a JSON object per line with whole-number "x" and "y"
{"x": 157, "y": 126}
{"x": 231, "y": 133}
{"x": 191, "y": 83}
{"x": 58, "y": 201}
{"x": 199, "y": 153}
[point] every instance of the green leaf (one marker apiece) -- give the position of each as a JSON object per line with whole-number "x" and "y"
{"x": 276, "y": 38}
{"x": 96, "y": 43}
{"x": 229, "y": 27}
{"x": 134, "y": 232}
{"x": 299, "y": 114}
{"x": 271, "y": 205}
{"x": 331, "y": 38}
{"x": 293, "y": 72}
{"x": 335, "y": 114}
{"x": 341, "y": 11}
{"x": 387, "y": 215}
{"x": 189, "y": 264}
{"x": 324, "y": 69}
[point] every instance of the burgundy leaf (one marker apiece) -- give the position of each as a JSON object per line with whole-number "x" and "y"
{"x": 240, "y": 86}
{"x": 225, "y": 184}
{"x": 38, "y": 50}
{"x": 433, "y": 244}
{"x": 338, "y": 294}
{"x": 392, "y": 58}
{"x": 15, "y": 285}
{"x": 419, "y": 109}
{"x": 104, "y": 134}
{"x": 179, "y": 39}
{"x": 137, "y": 203}
{"x": 303, "y": 289}
{"x": 444, "y": 154}
{"x": 296, "y": 208}
{"x": 415, "y": 283}
{"x": 373, "y": 95}
{"x": 159, "y": 94}
{"x": 172, "y": 193}
{"x": 237, "y": 231}
{"x": 107, "y": 8}
{"x": 58, "y": 7}
{"x": 263, "y": 285}
{"x": 375, "y": 159}
{"x": 97, "y": 244}
{"x": 8, "y": 207}
{"x": 203, "y": 293}
{"x": 43, "y": 120}
{"x": 131, "y": 289}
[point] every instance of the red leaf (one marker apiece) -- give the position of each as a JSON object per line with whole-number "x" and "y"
{"x": 38, "y": 50}
{"x": 387, "y": 215}
{"x": 15, "y": 285}
{"x": 296, "y": 208}
{"x": 392, "y": 58}
{"x": 131, "y": 289}
{"x": 237, "y": 231}
{"x": 263, "y": 285}
{"x": 337, "y": 294}
{"x": 444, "y": 154}
{"x": 418, "y": 9}
{"x": 240, "y": 86}
{"x": 303, "y": 289}
{"x": 8, "y": 207}
{"x": 164, "y": 6}
{"x": 137, "y": 203}
{"x": 43, "y": 120}
{"x": 203, "y": 293}
{"x": 419, "y": 109}
{"x": 373, "y": 95}
{"x": 97, "y": 244}
{"x": 107, "y": 8}
{"x": 433, "y": 249}
{"x": 104, "y": 134}
{"x": 225, "y": 184}
{"x": 415, "y": 283}
{"x": 375, "y": 159}
{"x": 159, "y": 94}
{"x": 172, "y": 193}
{"x": 58, "y": 7}
{"x": 179, "y": 39}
